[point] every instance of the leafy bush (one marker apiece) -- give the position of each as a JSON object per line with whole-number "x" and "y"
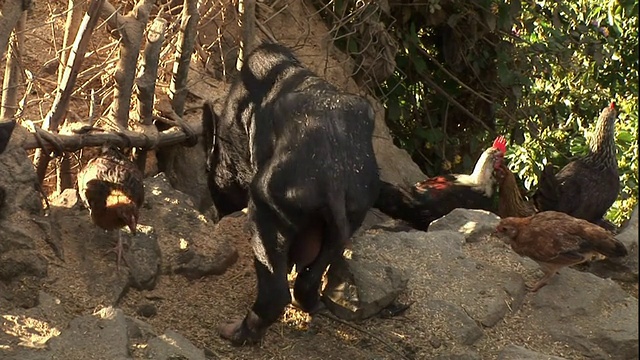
{"x": 539, "y": 72}
{"x": 578, "y": 60}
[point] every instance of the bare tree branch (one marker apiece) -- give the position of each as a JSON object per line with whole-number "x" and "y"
{"x": 146, "y": 83}
{"x": 11, "y": 72}
{"x": 76, "y": 56}
{"x": 9, "y": 16}
{"x": 131, "y": 28}
{"x": 247, "y": 23}
{"x": 74, "y": 19}
{"x": 186, "y": 44}
{"x": 125, "y": 138}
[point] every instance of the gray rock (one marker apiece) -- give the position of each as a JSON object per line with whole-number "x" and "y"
{"x": 193, "y": 265}
{"x": 463, "y": 329}
{"x": 439, "y": 271}
{"x": 143, "y": 258}
{"x": 173, "y": 346}
{"x": 15, "y": 263}
{"x": 396, "y": 165}
{"x": 187, "y": 239}
{"x": 13, "y": 237}
{"x": 469, "y": 355}
{"x": 625, "y": 268}
{"x": 139, "y": 331}
{"x": 99, "y": 336}
{"x": 19, "y": 180}
{"x": 475, "y": 225}
{"x": 67, "y": 199}
{"x": 515, "y": 352}
{"x": 184, "y": 167}
{"x": 590, "y": 314}
{"x": 358, "y": 289}
{"x": 373, "y": 218}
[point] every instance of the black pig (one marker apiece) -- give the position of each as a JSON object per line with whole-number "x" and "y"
{"x": 299, "y": 153}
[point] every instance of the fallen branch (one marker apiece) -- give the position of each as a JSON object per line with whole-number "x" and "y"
{"x": 123, "y": 139}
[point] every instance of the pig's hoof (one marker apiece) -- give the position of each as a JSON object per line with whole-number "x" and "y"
{"x": 239, "y": 333}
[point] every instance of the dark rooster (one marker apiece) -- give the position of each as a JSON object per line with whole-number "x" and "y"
{"x": 111, "y": 187}
{"x": 555, "y": 240}
{"x": 437, "y": 196}
{"x": 588, "y": 186}
{"x": 511, "y": 202}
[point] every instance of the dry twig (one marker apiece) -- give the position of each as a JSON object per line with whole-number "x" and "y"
{"x": 364, "y": 331}
{"x": 74, "y": 17}
{"x": 76, "y": 56}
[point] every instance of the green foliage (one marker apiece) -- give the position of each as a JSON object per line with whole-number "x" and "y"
{"x": 548, "y": 67}
{"x": 579, "y": 57}
{"x": 539, "y": 72}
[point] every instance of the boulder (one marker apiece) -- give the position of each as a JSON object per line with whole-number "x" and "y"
{"x": 515, "y": 352}
{"x": 591, "y": 314}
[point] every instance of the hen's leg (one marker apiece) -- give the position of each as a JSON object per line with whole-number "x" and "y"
{"x": 549, "y": 272}
{"x": 118, "y": 250}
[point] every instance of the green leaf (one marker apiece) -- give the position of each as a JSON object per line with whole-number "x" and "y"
{"x": 625, "y": 136}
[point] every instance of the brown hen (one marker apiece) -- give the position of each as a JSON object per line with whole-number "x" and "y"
{"x": 111, "y": 187}
{"x": 555, "y": 240}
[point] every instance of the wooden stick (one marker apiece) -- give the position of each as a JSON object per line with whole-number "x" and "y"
{"x": 76, "y": 56}
{"x": 146, "y": 82}
{"x": 125, "y": 138}
{"x": 74, "y": 19}
{"x": 131, "y": 28}
{"x": 11, "y": 72}
{"x": 246, "y": 23}
{"x": 186, "y": 44}
{"x": 9, "y": 16}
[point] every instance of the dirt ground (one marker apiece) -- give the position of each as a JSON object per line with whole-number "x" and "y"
{"x": 195, "y": 308}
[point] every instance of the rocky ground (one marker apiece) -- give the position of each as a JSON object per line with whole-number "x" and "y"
{"x": 451, "y": 293}
{"x": 454, "y": 292}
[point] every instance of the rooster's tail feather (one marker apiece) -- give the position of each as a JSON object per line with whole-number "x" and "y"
{"x": 546, "y": 196}
{"x": 398, "y": 203}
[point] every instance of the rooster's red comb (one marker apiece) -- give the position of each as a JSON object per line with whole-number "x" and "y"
{"x": 613, "y": 105}
{"x": 500, "y": 143}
